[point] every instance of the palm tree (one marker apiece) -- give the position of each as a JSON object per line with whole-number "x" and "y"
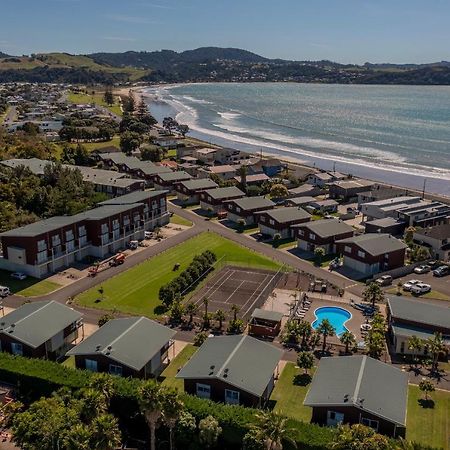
{"x": 304, "y": 330}
{"x": 242, "y": 173}
{"x": 272, "y": 430}
{"x": 206, "y": 317}
{"x": 373, "y": 293}
{"x": 319, "y": 253}
{"x": 191, "y": 309}
{"x": 104, "y": 384}
{"x": 415, "y": 344}
{"x": 220, "y": 317}
{"x": 235, "y": 309}
{"x": 435, "y": 345}
{"x": 325, "y": 329}
{"x": 172, "y": 408}
{"x": 106, "y": 434}
{"x": 151, "y": 402}
{"x": 347, "y": 338}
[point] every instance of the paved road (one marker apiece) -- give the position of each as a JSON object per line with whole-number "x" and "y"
{"x": 278, "y": 255}
{"x": 92, "y": 315}
{"x": 200, "y": 225}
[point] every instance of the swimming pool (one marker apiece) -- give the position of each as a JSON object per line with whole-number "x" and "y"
{"x": 337, "y": 317}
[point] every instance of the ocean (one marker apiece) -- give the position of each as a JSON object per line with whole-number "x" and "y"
{"x": 395, "y": 134}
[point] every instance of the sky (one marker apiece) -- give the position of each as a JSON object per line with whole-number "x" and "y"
{"x": 347, "y": 31}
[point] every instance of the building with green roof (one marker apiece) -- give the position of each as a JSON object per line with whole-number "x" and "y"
{"x": 232, "y": 369}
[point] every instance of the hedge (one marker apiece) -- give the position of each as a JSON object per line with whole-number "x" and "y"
{"x": 35, "y": 378}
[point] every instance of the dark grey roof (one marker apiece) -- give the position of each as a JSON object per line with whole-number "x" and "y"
{"x": 301, "y": 200}
{"x": 404, "y": 308}
{"x": 409, "y": 331}
{"x": 440, "y": 232}
{"x": 199, "y": 183}
{"x": 225, "y": 192}
{"x": 375, "y": 243}
{"x": 133, "y": 197}
{"x": 175, "y": 176}
{"x": 326, "y": 227}
{"x": 36, "y": 322}
{"x": 249, "y": 203}
{"x": 42, "y": 226}
{"x": 241, "y": 361}
{"x": 108, "y": 210}
{"x": 286, "y": 214}
{"x": 132, "y": 341}
{"x": 361, "y": 382}
{"x": 265, "y": 314}
{"x": 34, "y": 164}
{"x": 384, "y": 222}
{"x": 302, "y": 189}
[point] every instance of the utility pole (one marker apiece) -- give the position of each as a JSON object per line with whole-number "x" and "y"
{"x": 423, "y": 190}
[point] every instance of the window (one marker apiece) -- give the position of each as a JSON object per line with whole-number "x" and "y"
{"x": 402, "y": 347}
{"x": 238, "y": 209}
{"x": 16, "y": 348}
{"x": 312, "y": 236}
{"x": 231, "y": 397}
{"x": 203, "y": 390}
{"x": 301, "y": 232}
{"x": 386, "y": 255}
{"x": 370, "y": 423}
{"x": 115, "y": 370}
{"x": 272, "y": 222}
{"x": 104, "y": 228}
{"x": 56, "y": 240}
{"x": 347, "y": 249}
{"x": 361, "y": 254}
{"x": 69, "y": 235}
{"x": 42, "y": 245}
{"x": 81, "y": 230}
{"x": 91, "y": 365}
{"x": 263, "y": 219}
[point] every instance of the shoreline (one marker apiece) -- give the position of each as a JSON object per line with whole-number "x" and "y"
{"x": 434, "y": 186}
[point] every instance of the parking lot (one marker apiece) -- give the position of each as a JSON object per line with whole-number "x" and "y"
{"x": 439, "y": 285}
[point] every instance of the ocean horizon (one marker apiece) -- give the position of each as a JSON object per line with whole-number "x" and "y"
{"x": 398, "y": 135}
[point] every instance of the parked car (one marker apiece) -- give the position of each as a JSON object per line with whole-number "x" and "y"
{"x": 409, "y": 284}
{"x": 148, "y": 234}
{"x": 18, "y": 275}
{"x": 441, "y": 271}
{"x": 384, "y": 280}
{"x": 133, "y": 245}
{"x": 4, "y": 291}
{"x": 422, "y": 269}
{"x": 420, "y": 288}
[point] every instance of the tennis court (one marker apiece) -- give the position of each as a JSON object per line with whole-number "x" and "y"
{"x": 246, "y": 288}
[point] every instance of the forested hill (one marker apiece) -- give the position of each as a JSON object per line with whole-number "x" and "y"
{"x": 166, "y": 59}
{"x": 208, "y": 64}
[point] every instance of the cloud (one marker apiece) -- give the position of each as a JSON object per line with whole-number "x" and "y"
{"x": 118, "y": 38}
{"x": 130, "y": 19}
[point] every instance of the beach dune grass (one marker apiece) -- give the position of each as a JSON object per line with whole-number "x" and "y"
{"x": 135, "y": 291}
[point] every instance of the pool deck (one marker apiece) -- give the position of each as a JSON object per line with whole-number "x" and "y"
{"x": 353, "y": 324}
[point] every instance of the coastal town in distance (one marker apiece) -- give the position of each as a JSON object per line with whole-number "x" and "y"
{"x": 212, "y": 249}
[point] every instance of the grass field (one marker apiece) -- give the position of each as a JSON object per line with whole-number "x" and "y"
{"x": 289, "y": 396}
{"x": 178, "y": 220}
{"x": 171, "y": 370}
{"x": 430, "y": 426}
{"x": 97, "y": 98}
{"x": 136, "y": 290}
{"x": 30, "y": 287}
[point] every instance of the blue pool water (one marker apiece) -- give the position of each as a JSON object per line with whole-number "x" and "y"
{"x": 337, "y": 317}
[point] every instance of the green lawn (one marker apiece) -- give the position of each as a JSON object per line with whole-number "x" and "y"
{"x": 171, "y": 370}
{"x": 289, "y": 396}
{"x": 29, "y": 287}
{"x": 136, "y": 290}
{"x": 97, "y": 98}
{"x": 69, "y": 362}
{"x": 430, "y": 426}
{"x": 178, "y": 220}
{"x": 172, "y": 153}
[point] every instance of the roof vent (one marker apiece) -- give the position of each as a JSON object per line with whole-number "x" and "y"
{"x": 346, "y": 397}
{"x": 226, "y": 370}
{"x": 212, "y": 367}
{"x": 97, "y": 348}
{"x": 109, "y": 348}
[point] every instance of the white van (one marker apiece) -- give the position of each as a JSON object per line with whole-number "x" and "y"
{"x": 4, "y": 291}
